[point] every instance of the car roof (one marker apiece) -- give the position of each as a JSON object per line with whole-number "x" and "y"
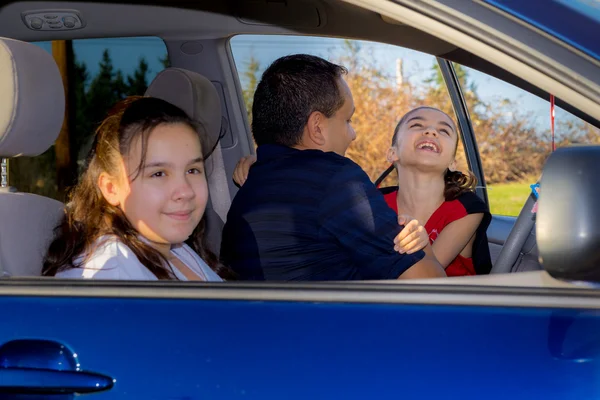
{"x": 202, "y": 19}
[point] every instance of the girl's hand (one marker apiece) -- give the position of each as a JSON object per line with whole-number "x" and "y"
{"x": 240, "y": 174}
{"x": 412, "y": 238}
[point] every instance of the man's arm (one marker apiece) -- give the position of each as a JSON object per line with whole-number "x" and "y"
{"x": 356, "y": 214}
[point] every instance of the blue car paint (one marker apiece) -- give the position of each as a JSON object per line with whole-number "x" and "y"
{"x": 160, "y": 349}
{"x": 575, "y": 22}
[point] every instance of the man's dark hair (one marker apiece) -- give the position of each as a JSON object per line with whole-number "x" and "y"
{"x": 291, "y": 89}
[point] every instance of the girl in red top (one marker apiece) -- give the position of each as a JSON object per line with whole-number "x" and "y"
{"x": 435, "y": 194}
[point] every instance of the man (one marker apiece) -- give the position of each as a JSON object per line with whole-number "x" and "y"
{"x": 306, "y": 212}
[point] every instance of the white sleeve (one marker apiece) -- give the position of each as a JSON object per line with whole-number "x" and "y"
{"x": 197, "y": 264}
{"x": 111, "y": 260}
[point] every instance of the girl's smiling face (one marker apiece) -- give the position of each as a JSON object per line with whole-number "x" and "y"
{"x": 163, "y": 193}
{"x": 426, "y": 139}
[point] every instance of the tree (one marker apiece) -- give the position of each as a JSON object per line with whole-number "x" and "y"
{"x": 437, "y": 79}
{"x": 104, "y": 90}
{"x": 251, "y": 80}
{"x": 166, "y": 63}
{"x": 379, "y": 104}
{"x": 511, "y": 148}
{"x": 82, "y": 125}
{"x": 138, "y": 82}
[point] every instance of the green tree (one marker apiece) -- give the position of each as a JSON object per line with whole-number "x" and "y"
{"x": 138, "y": 82}
{"x": 119, "y": 87}
{"x": 83, "y": 126}
{"x": 106, "y": 88}
{"x": 166, "y": 63}
{"x": 104, "y": 91}
{"x": 437, "y": 80}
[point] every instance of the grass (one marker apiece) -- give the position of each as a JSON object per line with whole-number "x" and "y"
{"x": 508, "y": 198}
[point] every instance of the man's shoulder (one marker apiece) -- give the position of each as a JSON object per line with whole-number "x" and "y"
{"x": 312, "y": 166}
{"x": 332, "y": 159}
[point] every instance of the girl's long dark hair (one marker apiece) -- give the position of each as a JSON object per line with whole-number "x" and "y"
{"x": 88, "y": 216}
{"x": 456, "y": 182}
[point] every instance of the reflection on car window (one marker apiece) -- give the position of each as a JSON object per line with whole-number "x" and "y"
{"x": 386, "y": 81}
{"x": 572, "y": 21}
{"x": 101, "y": 71}
{"x": 513, "y": 131}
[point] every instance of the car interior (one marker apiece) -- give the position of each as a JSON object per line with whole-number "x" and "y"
{"x": 203, "y": 80}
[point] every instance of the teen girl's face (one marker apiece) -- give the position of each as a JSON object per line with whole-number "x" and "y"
{"x": 166, "y": 200}
{"x": 427, "y": 140}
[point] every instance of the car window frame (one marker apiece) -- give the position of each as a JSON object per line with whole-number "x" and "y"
{"x": 467, "y": 132}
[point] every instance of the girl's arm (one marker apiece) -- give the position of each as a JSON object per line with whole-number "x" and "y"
{"x": 240, "y": 174}
{"x": 455, "y": 237}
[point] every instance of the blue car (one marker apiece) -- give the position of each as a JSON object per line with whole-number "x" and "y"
{"x": 528, "y": 330}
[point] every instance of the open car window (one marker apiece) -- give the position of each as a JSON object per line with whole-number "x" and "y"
{"x": 514, "y": 137}
{"x": 386, "y": 82}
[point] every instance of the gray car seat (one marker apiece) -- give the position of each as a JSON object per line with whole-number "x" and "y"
{"x": 31, "y": 115}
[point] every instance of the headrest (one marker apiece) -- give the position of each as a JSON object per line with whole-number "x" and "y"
{"x": 195, "y": 95}
{"x": 33, "y": 99}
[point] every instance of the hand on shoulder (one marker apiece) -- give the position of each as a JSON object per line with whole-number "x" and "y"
{"x": 240, "y": 174}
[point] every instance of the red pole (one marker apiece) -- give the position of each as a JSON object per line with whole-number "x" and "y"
{"x": 552, "y": 121}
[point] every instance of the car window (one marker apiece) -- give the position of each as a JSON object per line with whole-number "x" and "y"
{"x": 100, "y": 71}
{"x": 386, "y": 82}
{"x": 513, "y": 132}
{"x": 572, "y": 21}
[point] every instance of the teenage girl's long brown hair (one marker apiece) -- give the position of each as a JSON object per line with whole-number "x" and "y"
{"x": 456, "y": 182}
{"x": 88, "y": 216}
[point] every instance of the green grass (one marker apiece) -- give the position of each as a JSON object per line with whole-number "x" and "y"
{"x": 508, "y": 198}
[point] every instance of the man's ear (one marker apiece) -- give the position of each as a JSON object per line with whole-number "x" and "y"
{"x": 316, "y": 129}
{"x": 109, "y": 186}
{"x": 392, "y": 155}
{"x": 452, "y": 166}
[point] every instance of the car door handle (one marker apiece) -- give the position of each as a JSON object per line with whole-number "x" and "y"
{"x": 46, "y": 367}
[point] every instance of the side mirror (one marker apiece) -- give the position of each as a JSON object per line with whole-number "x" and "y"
{"x": 568, "y": 217}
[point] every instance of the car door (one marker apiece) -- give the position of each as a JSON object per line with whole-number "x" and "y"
{"x": 297, "y": 341}
{"x": 253, "y": 341}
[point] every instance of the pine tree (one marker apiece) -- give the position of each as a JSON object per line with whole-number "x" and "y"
{"x": 166, "y": 63}
{"x": 120, "y": 88}
{"x": 138, "y": 82}
{"x": 102, "y": 93}
{"x": 83, "y": 128}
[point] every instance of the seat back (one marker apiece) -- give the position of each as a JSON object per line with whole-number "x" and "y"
{"x": 197, "y": 96}
{"x": 31, "y": 115}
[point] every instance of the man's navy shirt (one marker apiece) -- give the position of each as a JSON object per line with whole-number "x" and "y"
{"x": 311, "y": 215}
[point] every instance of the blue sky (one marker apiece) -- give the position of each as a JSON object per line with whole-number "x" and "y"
{"x": 416, "y": 67}
{"x": 126, "y": 53}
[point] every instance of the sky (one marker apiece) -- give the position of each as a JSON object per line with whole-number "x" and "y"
{"x": 126, "y": 53}
{"x": 416, "y": 67}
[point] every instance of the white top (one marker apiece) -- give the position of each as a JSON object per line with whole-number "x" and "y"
{"x": 114, "y": 260}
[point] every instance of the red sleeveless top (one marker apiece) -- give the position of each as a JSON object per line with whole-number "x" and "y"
{"x": 450, "y": 211}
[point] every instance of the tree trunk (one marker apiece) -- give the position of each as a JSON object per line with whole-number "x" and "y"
{"x": 66, "y": 162}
